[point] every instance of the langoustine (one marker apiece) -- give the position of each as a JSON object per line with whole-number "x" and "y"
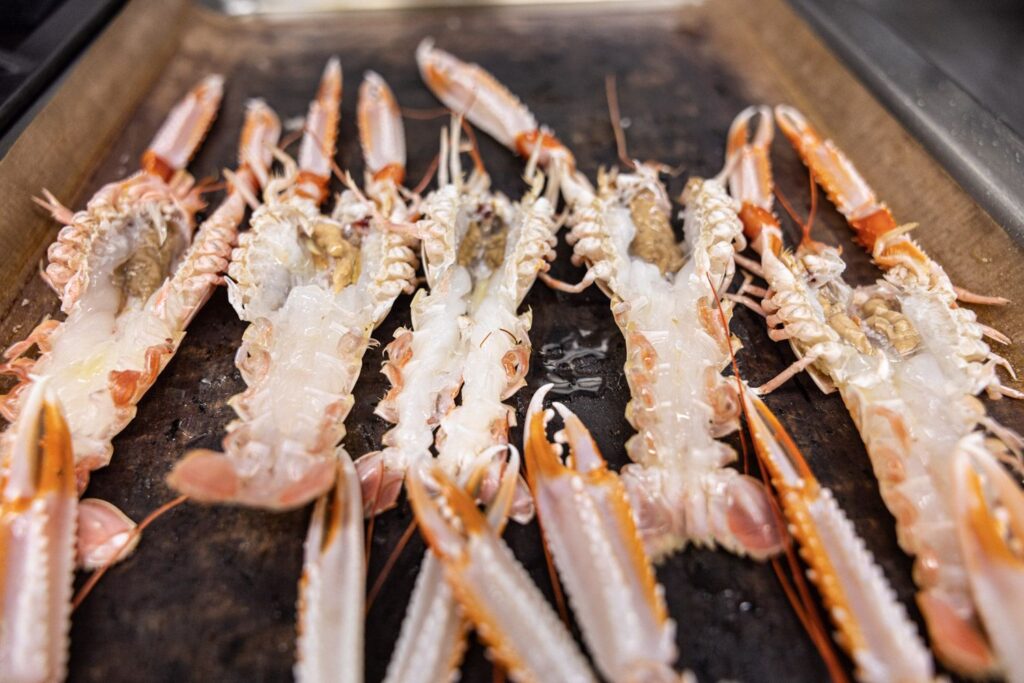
{"x": 482, "y": 253}
{"x": 909, "y": 383}
{"x": 663, "y": 297}
{"x": 106, "y": 264}
{"x": 332, "y": 586}
{"x": 312, "y": 287}
{"x": 131, "y": 277}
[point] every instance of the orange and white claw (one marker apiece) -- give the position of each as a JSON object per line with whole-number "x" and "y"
{"x": 316, "y": 152}
{"x": 381, "y": 132}
{"x": 989, "y": 509}
{"x": 845, "y": 187}
{"x": 871, "y": 624}
{"x": 519, "y": 627}
{"x": 469, "y": 90}
{"x": 747, "y": 159}
{"x": 433, "y": 637}
{"x": 260, "y": 134}
{"x": 332, "y": 588}
{"x": 748, "y": 163}
{"x": 588, "y": 526}
{"x": 184, "y": 129}
{"x": 38, "y": 512}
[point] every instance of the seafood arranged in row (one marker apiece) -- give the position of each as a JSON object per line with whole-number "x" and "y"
{"x": 907, "y": 362}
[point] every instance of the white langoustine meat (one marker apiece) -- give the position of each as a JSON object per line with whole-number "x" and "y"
{"x": 481, "y": 254}
{"x": 313, "y": 287}
{"x": 38, "y": 515}
{"x": 664, "y": 300}
{"x": 907, "y": 363}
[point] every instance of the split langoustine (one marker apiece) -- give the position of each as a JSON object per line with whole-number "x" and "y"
{"x": 312, "y": 287}
{"x": 907, "y": 362}
{"x": 680, "y": 486}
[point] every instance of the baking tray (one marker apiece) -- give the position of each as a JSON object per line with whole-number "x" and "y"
{"x": 210, "y": 593}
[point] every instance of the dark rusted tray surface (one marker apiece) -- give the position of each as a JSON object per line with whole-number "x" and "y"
{"x": 210, "y": 593}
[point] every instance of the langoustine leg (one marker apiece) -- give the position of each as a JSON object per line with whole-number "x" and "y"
{"x": 680, "y": 486}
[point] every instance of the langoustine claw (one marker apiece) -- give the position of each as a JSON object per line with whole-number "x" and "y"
{"x": 519, "y": 627}
{"x": 38, "y": 512}
{"x": 872, "y": 625}
{"x": 332, "y": 587}
{"x": 989, "y": 507}
{"x": 589, "y": 528}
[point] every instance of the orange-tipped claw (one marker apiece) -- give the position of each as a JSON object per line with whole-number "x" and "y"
{"x": 184, "y": 129}
{"x": 469, "y": 90}
{"x": 38, "y": 500}
{"x": 872, "y": 624}
{"x": 519, "y": 627}
{"x": 316, "y": 152}
{"x": 589, "y": 528}
{"x": 750, "y": 175}
{"x": 332, "y": 588}
{"x": 433, "y": 636}
{"x": 381, "y": 132}
{"x": 989, "y": 508}
{"x": 837, "y": 175}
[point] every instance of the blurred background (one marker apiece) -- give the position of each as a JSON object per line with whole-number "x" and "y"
{"x": 976, "y": 45}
